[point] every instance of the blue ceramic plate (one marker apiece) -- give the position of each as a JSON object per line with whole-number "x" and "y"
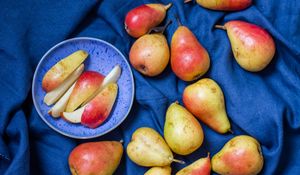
{"x": 102, "y": 58}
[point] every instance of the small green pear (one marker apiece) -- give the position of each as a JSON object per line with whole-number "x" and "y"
{"x": 240, "y": 156}
{"x": 166, "y": 170}
{"x": 205, "y": 100}
{"x": 182, "y": 131}
{"x": 148, "y": 148}
{"x": 201, "y": 166}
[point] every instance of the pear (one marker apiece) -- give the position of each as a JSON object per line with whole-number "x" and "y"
{"x": 240, "y": 156}
{"x": 86, "y": 85}
{"x": 141, "y": 19}
{"x": 101, "y": 158}
{"x": 147, "y": 148}
{"x": 205, "y": 100}
{"x": 201, "y": 166}
{"x": 182, "y": 131}
{"x": 225, "y": 5}
{"x": 58, "y": 73}
{"x": 166, "y": 170}
{"x": 252, "y": 46}
{"x": 189, "y": 59}
{"x": 150, "y": 53}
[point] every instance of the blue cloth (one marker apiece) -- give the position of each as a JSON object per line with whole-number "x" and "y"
{"x": 265, "y": 105}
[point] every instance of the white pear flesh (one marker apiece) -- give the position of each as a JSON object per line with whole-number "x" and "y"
{"x": 52, "y": 96}
{"x": 61, "y": 104}
{"x": 75, "y": 116}
{"x": 112, "y": 77}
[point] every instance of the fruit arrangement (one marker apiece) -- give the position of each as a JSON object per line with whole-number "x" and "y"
{"x": 79, "y": 96}
{"x": 203, "y": 99}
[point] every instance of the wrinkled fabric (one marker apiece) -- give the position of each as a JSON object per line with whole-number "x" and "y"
{"x": 264, "y": 105}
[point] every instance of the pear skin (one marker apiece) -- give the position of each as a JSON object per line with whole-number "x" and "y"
{"x": 201, "y": 166}
{"x": 182, "y": 132}
{"x": 189, "y": 59}
{"x": 86, "y": 85}
{"x": 150, "y": 54}
{"x": 205, "y": 100}
{"x": 253, "y": 47}
{"x": 62, "y": 70}
{"x": 101, "y": 158}
{"x": 147, "y": 148}
{"x": 225, "y": 5}
{"x": 240, "y": 156}
{"x": 166, "y": 170}
{"x": 140, "y": 20}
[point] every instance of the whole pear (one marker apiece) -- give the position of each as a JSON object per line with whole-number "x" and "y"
{"x": 147, "y": 148}
{"x": 252, "y": 46}
{"x": 182, "y": 131}
{"x": 189, "y": 59}
{"x": 101, "y": 158}
{"x": 205, "y": 100}
{"x": 240, "y": 156}
{"x": 150, "y": 54}
{"x": 141, "y": 19}
{"x": 201, "y": 166}
{"x": 225, "y": 5}
{"x": 166, "y": 170}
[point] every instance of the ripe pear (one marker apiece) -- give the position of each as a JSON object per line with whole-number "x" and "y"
{"x": 205, "y": 100}
{"x": 150, "y": 54}
{"x": 182, "y": 131}
{"x": 140, "y": 20}
{"x": 225, "y": 5}
{"x": 240, "y": 156}
{"x": 252, "y": 46}
{"x": 166, "y": 170}
{"x": 189, "y": 59}
{"x": 101, "y": 158}
{"x": 147, "y": 148}
{"x": 201, "y": 166}
{"x": 58, "y": 73}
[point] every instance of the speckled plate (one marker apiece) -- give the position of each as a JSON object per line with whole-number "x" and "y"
{"x": 102, "y": 58}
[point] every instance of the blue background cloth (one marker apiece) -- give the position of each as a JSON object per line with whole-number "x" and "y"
{"x": 265, "y": 105}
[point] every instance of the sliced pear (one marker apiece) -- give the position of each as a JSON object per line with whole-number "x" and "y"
{"x": 73, "y": 117}
{"x": 57, "y": 74}
{"x": 112, "y": 77}
{"x": 61, "y": 104}
{"x": 52, "y": 96}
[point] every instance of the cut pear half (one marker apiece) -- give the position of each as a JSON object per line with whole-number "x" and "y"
{"x": 61, "y": 104}
{"x": 52, "y": 96}
{"x": 112, "y": 77}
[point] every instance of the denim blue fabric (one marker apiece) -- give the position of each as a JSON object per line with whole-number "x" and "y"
{"x": 265, "y": 105}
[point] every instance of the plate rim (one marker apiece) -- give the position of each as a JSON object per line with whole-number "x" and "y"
{"x": 34, "y": 84}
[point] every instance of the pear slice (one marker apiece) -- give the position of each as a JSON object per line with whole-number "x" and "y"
{"x": 73, "y": 117}
{"x": 52, "y": 96}
{"x": 97, "y": 110}
{"x": 112, "y": 77}
{"x": 58, "y": 73}
{"x": 61, "y": 104}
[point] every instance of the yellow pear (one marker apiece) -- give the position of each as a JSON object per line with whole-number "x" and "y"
{"x": 166, "y": 170}
{"x": 205, "y": 100}
{"x": 148, "y": 148}
{"x": 240, "y": 156}
{"x": 182, "y": 131}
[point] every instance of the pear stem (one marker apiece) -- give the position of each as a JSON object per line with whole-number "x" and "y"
{"x": 208, "y": 154}
{"x": 165, "y": 27}
{"x": 168, "y": 6}
{"x": 160, "y": 29}
{"x": 230, "y": 131}
{"x": 178, "y": 20}
{"x": 187, "y": 1}
{"x": 178, "y": 161}
{"x": 121, "y": 141}
{"x": 220, "y": 27}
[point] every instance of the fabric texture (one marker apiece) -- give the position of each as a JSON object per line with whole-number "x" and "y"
{"x": 264, "y": 105}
